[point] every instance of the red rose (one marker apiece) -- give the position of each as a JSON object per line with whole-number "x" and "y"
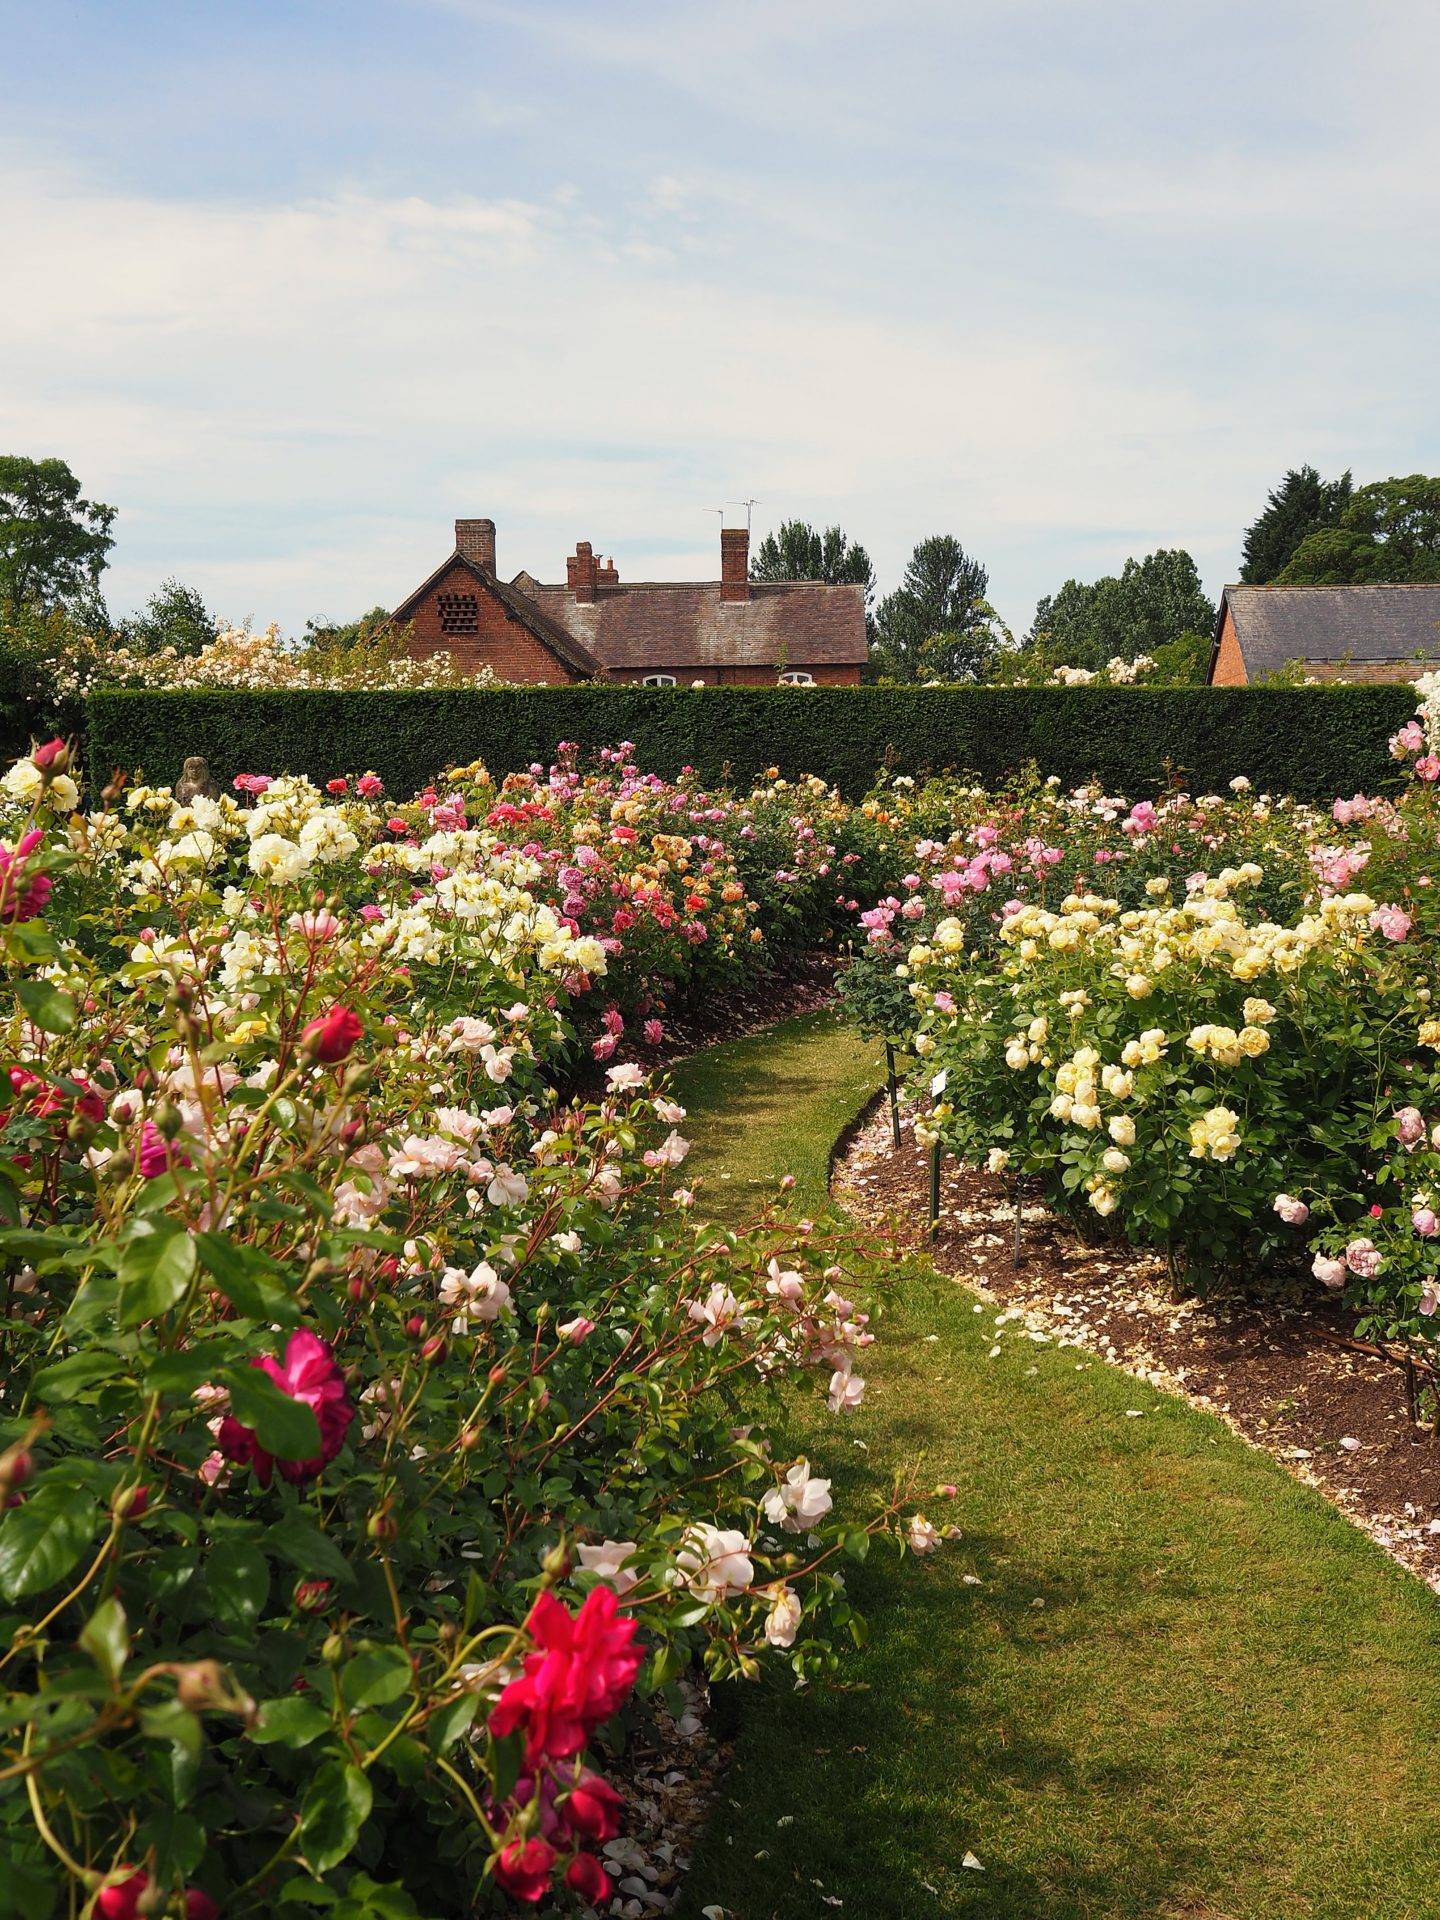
{"x": 331, "y": 1037}
{"x": 524, "y": 1868}
{"x": 582, "y": 1670}
{"x": 594, "y": 1808}
{"x": 588, "y": 1878}
{"x": 309, "y": 1374}
{"x": 199, "y": 1905}
{"x": 337, "y": 786}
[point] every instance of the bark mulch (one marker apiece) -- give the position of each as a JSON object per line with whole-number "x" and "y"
{"x": 1278, "y": 1374}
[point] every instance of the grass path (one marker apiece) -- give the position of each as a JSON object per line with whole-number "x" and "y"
{"x": 1185, "y": 1687}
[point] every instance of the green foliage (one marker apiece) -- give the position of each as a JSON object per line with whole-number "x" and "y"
{"x": 799, "y": 551}
{"x": 174, "y": 616}
{"x": 1148, "y": 604}
{"x": 1312, "y": 742}
{"x": 53, "y": 543}
{"x": 32, "y": 702}
{"x": 936, "y": 625}
{"x": 1302, "y": 504}
{"x": 1389, "y": 531}
{"x": 372, "y": 629}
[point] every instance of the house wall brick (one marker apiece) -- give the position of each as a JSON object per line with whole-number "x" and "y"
{"x": 509, "y": 649}
{"x": 1229, "y": 665}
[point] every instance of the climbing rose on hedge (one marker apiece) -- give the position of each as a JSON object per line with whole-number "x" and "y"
{"x": 309, "y": 1374}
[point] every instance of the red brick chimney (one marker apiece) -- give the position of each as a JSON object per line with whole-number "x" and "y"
{"x": 475, "y": 539}
{"x": 580, "y": 572}
{"x": 734, "y": 564}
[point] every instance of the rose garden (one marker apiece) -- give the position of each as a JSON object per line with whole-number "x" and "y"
{"x": 411, "y": 1416}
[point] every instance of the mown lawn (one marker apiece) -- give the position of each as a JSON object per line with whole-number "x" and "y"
{"x": 1184, "y": 1686}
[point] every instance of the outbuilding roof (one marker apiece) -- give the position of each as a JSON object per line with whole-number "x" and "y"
{"x": 1324, "y": 626}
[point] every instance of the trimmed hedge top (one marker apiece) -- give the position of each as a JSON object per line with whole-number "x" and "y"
{"x": 1313, "y": 742}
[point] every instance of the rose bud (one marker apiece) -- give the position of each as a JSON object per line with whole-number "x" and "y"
{"x": 199, "y": 1905}
{"x": 380, "y": 1526}
{"x": 312, "y": 1596}
{"x": 469, "y": 1438}
{"x": 52, "y": 758}
{"x": 358, "y": 1286}
{"x": 120, "y": 1900}
{"x": 330, "y": 1038}
{"x": 433, "y": 1348}
{"x": 130, "y": 1503}
{"x": 16, "y": 1466}
{"x": 415, "y": 1327}
{"x": 201, "y": 1684}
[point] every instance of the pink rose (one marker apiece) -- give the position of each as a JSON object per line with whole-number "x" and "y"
{"x": 1329, "y": 1272}
{"x": 1391, "y": 921}
{"x": 1410, "y": 1126}
{"x": 307, "y": 1374}
{"x": 1425, "y": 1222}
{"x": 1362, "y": 1257}
{"x": 1292, "y": 1211}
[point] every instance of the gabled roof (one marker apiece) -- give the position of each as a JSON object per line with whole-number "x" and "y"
{"x": 1326, "y": 625}
{"x": 532, "y": 617}
{"x": 679, "y": 624}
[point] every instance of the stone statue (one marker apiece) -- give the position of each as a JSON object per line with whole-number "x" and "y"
{"x": 196, "y": 782}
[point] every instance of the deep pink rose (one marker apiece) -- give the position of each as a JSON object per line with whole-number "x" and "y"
{"x": 330, "y": 1038}
{"x": 308, "y": 1374}
{"x": 581, "y": 1671}
{"x": 523, "y": 1869}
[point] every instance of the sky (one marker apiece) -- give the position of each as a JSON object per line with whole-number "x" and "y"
{"x": 294, "y": 285}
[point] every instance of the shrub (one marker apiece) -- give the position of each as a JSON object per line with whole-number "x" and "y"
{"x": 1185, "y": 1019}
{"x": 1309, "y": 742}
{"x": 350, "y": 1376}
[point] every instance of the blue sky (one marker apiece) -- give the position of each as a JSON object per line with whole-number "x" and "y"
{"x": 293, "y": 285}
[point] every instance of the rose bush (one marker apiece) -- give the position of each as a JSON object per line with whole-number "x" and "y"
{"x": 376, "y": 1423}
{"x": 1185, "y": 1018}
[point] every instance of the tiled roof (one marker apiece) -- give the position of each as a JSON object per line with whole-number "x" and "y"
{"x": 1329, "y": 624}
{"x": 678, "y": 624}
{"x": 532, "y": 617}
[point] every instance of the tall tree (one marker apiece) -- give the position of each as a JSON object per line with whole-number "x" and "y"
{"x": 1389, "y": 531}
{"x": 798, "y": 551}
{"x": 937, "y": 624}
{"x": 1302, "y": 504}
{"x": 53, "y": 543}
{"x": 1149, "y": 603}
{"x": 174, "y": 616}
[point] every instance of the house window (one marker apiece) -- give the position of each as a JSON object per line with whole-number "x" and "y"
{"x": 658, "y": 680}
{"x": 797, "y": 679}
{"x": 459, "y": 612}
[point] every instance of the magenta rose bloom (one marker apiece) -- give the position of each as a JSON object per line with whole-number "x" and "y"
{"x": 308, "y": 1374}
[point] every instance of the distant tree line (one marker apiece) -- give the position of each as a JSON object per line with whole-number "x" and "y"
{"x": 937, "y": 625}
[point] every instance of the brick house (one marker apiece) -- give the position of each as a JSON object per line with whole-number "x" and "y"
{"x": 1336, "y": 633}
{"x": 727, "y": 632}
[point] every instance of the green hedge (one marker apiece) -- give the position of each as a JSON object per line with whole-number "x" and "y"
{"x": 1313, "y": 742}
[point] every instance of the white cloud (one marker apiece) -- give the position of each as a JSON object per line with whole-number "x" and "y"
{"x": 297, "y": 377}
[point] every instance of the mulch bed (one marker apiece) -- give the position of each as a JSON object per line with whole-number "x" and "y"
{"x": 1278, "y": 1375}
